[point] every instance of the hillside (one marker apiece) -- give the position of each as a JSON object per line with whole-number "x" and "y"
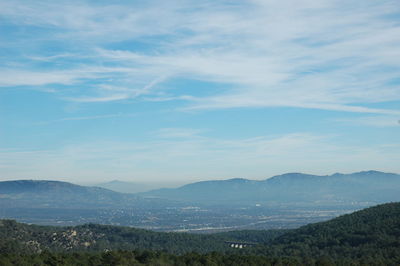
{"x": 285, "y": 201}
{"x": 23, "y": 238}
{"x": 372, "y": 234}
{"x": 367, "y": 237}
{"x": 370, "y": 187}
{"x": 56, "y": 194}
{"x": 48, "y": 194}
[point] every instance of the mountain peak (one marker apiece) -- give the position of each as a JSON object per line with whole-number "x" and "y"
{"x": 370, "y": 172}
{"x": 290, "y": 176}
{"x": 28, "y": 185}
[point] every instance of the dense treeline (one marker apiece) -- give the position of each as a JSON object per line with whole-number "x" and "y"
{"x": 253, "y": 236}
{"x": 367, "y": 237}
{"x": 153, "y": 258}
{"x": 370, "y": 236}
{"x": 22, "y": 238}
{"x": 162, "y": 258}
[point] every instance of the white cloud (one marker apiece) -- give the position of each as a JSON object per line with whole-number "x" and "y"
{"x": 16, "y": 77}
{"x": 34, "y": 78}
{"x": 332, "y": 55}
{"x": 373, "y": 121}
{"x": 96, "y": 99}
{"x": 311, "y": 56}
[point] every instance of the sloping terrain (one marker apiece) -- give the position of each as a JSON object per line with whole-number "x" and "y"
{"x": 369, "y": 231}
{"x": 56, "y": 194}
{"x": 23, "y": 238}
{"x": 372, "y": 234}
{"x": 48, "y": 194}
{"x": 368, "y": 187}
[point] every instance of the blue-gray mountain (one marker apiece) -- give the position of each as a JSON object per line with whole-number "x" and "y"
{"x": 284, "y": 201}
{"x": 367, "y": 186}
{"x": 56, "y": 194}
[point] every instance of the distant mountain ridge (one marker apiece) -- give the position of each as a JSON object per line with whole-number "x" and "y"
{"x": 49, "y": 193}
{"x": 32, "y": 186}
{"x": 283, "y": 201}
{"x": 367, "y": 186}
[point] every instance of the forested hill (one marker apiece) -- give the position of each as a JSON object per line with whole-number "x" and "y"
{"x": 372, "y": 234}
{"x": 368, "y": 237}
{"x": 366, "y": 231}
{"x": 23, "y": 238}
{"x": 378, "y": 225}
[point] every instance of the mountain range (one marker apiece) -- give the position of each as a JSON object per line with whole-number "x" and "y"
{"x": 56, "y": 194}
{"x": 284, "y": 201}
{"x": 366, "y": 186}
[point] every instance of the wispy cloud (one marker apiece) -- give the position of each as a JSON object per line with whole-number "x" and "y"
{"x": 118, "y": 93}
{"x": 372, "y": 121}
{"x": 303, "y": 56}
{"x": 337, "y": 55}
{"x": 95, "y": 99}
{"x": 331, "y": 55}
{"x": 16, "y": 77}
{"x": 34, "y": 78}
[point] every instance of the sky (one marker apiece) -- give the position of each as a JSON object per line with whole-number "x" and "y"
{"x": 181, "y": 91}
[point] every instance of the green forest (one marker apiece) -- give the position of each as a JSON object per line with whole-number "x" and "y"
{"x": 367, "y": 237}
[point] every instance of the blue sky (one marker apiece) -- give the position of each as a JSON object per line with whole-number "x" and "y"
{"x": 180, "y": 91}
